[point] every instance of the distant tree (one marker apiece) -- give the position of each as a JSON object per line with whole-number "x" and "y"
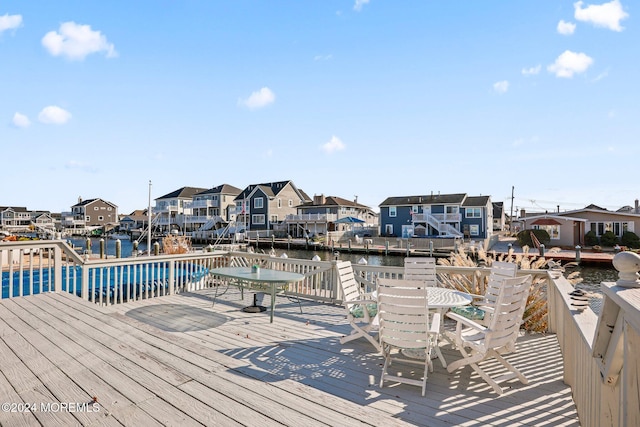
{"x": 630, "y": 240}
{"x": 590, "y": 239}
{"x": 524, "y": 237}
{"x": 609, "y": 239}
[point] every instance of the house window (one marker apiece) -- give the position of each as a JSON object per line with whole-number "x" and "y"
{"x": 279, "y": 203}
{"x": 290, "y": 203}
{"x": 95, "y": 208}
{"x": 552, "y": 230}
{"x": 452, "y": 209}
{"x": 87, "y": 218}
{"x": 392, "y": 211}
{"x": 474, "y": 230}
{"x": 388, "y": 229}
{"x": 257, "y": 219}
{"x": 258, "y": 202}
{"x": 274, "y": 218}
{"x": 100, "y": 218}
{"x": 473, "y": 213}
{"x": 109, "y": 209}
{"x": 414, "y": 209}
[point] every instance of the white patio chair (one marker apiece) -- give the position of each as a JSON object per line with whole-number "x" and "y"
{"x": 360, "y": 307}
{"x": 421, "y": 268}
{"x": 483, "y": 303}
{"x": 405, "y": 325}
{"x": 499, "y": 337}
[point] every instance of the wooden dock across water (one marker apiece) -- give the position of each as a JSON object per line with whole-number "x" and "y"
{"x": 179, "y": 360}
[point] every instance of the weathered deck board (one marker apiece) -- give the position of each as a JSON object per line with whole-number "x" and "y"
{"x": 180, "y": 360}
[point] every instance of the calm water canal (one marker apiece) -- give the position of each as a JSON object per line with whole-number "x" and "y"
{"x": 592, "y": 275}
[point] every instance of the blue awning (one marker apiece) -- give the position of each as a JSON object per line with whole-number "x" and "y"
{"x": 348, "y": 220}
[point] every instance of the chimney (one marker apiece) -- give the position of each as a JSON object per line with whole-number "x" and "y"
{"x": 558, "y": 208}
{"x": 523, "y": 213}
{"x": 355, "y": 200}
{"x": 637, "y": 210}
{"x": 318, "y": 199}
{"x": 79, "y": 199}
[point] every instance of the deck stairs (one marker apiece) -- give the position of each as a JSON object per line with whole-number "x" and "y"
{"x": 442, "y": 227}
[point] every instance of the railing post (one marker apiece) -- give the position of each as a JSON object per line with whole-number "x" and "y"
{"x": 57, "y": 273}
{"x": 85, "y": 282}
{"x": 171, "y": 278}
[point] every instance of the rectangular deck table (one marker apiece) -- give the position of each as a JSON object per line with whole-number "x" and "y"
{"x": 274, "y": 279}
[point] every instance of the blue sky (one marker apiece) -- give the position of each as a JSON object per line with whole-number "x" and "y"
{"x": 343, "y": 97}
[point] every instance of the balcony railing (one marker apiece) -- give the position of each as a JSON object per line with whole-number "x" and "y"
{"x": 317, "y": 217}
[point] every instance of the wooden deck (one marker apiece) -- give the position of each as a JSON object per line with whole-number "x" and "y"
{"x": 177, "y": 360}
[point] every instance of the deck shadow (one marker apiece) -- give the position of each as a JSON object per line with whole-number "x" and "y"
{"x": 177, "y": 317}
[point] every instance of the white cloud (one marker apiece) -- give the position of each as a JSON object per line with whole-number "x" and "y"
{"x": 76, "y": 41}
{"x": 501, "y": 87}
{"x": 259, "y": 99}
{"x": 566, "y": 28}
{"x": 607, "y": 15}
{"x": 21, "y": 121}
{"x": 570, "y": 63}
{"x": 54, "y": 115}
{"x": 531, "y": 70}
{"x": 10, "y": 22}
{"x": 74, "y": 164}
{"x": 322, "y": 57}
{"x": 334, "y": 144}
{"x": 357, "y": 6}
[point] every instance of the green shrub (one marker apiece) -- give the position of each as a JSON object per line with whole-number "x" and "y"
{"x": 630, "y": 239}
{"x": 590, "y": 239}
{"x": 608, "y": 239}
{"x": 524, "y": 237}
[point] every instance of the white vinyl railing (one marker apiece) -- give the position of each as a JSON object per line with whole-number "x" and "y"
{"x": 600, "y": 353}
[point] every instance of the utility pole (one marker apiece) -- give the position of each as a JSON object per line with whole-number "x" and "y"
{"x": 511, "y": 214}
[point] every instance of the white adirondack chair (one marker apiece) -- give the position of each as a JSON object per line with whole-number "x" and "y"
{"x": 421, "y": 268}
{"x": 484, "y": 303}
{"x": 405, "y": 325}
{"x": 478, "y": 343}
{"x": 360, "y": 307}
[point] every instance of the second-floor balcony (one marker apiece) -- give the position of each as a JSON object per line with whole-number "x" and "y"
{"x": 197, "y": 204}
{"x": 450, "y": 217}
{"x": 317, "y": 217}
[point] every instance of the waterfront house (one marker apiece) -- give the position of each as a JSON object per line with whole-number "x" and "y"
{"x": 91, "y": 214}
{"x": 172, "y": 208}
{"x": 136, "y": 220}
{"x": 447, "y": 215}
{"x": 569, "y": 228}
{"x": 15, "y": 218}
{"x": 326, "y": 214}
{"x": 262, "y": 207}
{"x": 211, "y": 207}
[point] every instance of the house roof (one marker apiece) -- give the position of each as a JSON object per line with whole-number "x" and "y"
{"x": 182, "y": 193}
{"x": 90, "y": 201}
{"x": 476, "y": 201}
{"x": 222, "y": 189}
{"x": 424, "y": 200}
{"x": 270, "y": 189}
{"x": 13, "y": 208}
{"x": 556, "y": 216}
{"x": 334, "y": 201}
{"x": 597, "y": 210}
